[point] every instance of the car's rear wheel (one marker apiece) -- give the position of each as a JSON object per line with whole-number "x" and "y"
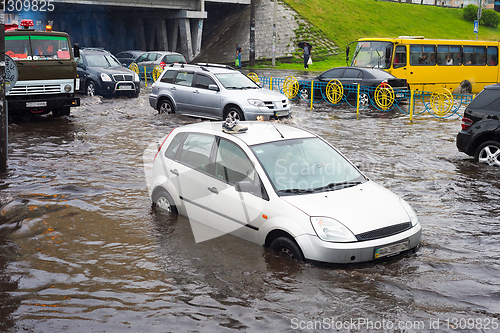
{"x": 488, "y": 153}
{"x": 90, "y": 89}
{"x": 235, "y": 113}
{"x": 163, "y": 201}
{"x": 166, "y": 106}
{"x": 286, "y": 247}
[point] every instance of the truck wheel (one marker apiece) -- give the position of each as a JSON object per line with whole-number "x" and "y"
{"x": 90, "y": 89}
{"x": 61, "y": 111}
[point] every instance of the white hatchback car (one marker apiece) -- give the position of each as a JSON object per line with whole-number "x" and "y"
{"x": 281, "y": 187}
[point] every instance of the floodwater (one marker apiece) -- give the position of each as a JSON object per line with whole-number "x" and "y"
{"x": 82, "y": 251}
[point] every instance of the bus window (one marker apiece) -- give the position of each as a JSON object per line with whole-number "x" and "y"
{"x": 492, "y": 56}
{"x": 372, "y": 54}
{"x": 400, "y": 56}
{"x": 422, "y": 55}
{"x": 474, "y": 55}
{"x": 448, "y": 55}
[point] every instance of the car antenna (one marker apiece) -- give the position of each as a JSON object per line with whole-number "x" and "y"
{"x": 272, "y": 123}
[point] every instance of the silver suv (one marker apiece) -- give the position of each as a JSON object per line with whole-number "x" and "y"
{"x": 215, "y": 91}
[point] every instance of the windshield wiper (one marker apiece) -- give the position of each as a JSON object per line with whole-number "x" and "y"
{"x": 337, "y": 186}
{"x": 290, "y": 191}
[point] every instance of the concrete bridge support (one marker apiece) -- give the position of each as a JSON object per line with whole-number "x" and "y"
{"x": 124, "y": 25}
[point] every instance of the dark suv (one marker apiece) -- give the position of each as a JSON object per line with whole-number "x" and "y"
{"x": 101, "y": 73}
{"x": 480, "y": 134}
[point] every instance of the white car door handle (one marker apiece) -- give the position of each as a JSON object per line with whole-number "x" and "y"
{"x": 196, "y": 92}
{"x": 174, "y": 171}
{"x": 173, "y": 88}
{"x": 213, "y": 190}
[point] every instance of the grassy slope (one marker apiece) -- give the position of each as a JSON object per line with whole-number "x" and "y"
{"x": 344, "y": 21}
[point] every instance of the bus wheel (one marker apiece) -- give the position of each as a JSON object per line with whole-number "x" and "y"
{"x": 465, "y": 87}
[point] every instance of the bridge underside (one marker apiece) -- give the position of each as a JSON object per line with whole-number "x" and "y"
{"x": 119, "y": 28}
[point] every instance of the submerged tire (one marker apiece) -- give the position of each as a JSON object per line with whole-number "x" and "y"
{"x": 286, "y": 247}
{"x": 165, "y": 106}
{"x": 488, "y": 153}
{"x": 90, "y": 88}
{"x": 163, "y": 201}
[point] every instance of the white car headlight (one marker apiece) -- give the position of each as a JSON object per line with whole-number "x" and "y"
{"x": 331, "y": 230}
{"x": 105, "y": 77}
{"x": 411, "y": 213}
{"x": 136, "y": 77}
{"x": 256, "y": 102}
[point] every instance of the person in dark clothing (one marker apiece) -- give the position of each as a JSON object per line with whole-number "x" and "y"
{"x": 238, "y": 55}
{"x": 307, "y": 52}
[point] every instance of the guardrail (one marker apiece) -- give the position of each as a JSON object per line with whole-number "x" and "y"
{"x": 440, "y": 103}
{"x": 145, "y": 73}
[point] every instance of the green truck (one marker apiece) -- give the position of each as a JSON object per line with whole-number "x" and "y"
{"x": 47, "y": 71}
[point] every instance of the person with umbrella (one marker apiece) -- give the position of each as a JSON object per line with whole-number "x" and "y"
{"x": 307, "y": 52}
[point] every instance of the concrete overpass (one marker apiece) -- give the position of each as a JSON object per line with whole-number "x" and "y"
{"x": 117, "y": 25}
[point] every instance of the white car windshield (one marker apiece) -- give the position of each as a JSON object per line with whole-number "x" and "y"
{"x": 305, "y": 166}
{"x": 236, "y": 81}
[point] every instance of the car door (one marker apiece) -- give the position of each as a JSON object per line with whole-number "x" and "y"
{"x": 352, "y": 76}
{"x": 229, "y": 210}
{"x": 182, "y": 91}
{"x": 206, "y": 101}
{"x": 189, "y": 173}
{"x": 81, "y": 72}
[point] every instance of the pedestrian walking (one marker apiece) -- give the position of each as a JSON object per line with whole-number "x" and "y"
{"x": 238, "y": 56}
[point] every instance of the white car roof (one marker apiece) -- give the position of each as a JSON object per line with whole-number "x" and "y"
{"x": 258, "y": 131}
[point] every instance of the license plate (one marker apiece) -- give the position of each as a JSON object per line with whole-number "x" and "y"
{"x": 125, "y": 87}
{"x": 35, "y": 104}
{"x": 385, "y": 251}
{"x": 281, "y": 113}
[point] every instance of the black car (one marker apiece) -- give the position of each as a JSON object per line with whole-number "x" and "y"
{"x": 128, "y": 57}
{"x": 480, "y": 134}
{"x": 350, "y": 77}
{"x": 101, "y": 73}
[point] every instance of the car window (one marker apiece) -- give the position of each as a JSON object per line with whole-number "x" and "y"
{"x": 102, "y": 60}
{"x": 203, "y": 81}
{"x": 184, "y": 79}
{"x": 333, "y": 74}
{"x": 196, "y": 150}
{"x": 152, "y": 56}
{"x": 305, "y": 165}
{"x": 142, "y": 57}
{"x": 169, "y": 76}
{"x": 173, "y": 58}
{"x": 173, "y": 147}
{"x": 232, "y": 164}
{"x": 352, "y": 73}
{"x": 488, "y": 99}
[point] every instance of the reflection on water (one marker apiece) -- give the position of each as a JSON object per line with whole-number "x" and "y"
{"x": 81, "y": 250}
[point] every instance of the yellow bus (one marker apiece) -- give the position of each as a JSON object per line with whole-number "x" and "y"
{"x": 461, "y": 66}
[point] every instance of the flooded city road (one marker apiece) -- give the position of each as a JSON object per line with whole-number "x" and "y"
{"x": 81, "y": 250}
